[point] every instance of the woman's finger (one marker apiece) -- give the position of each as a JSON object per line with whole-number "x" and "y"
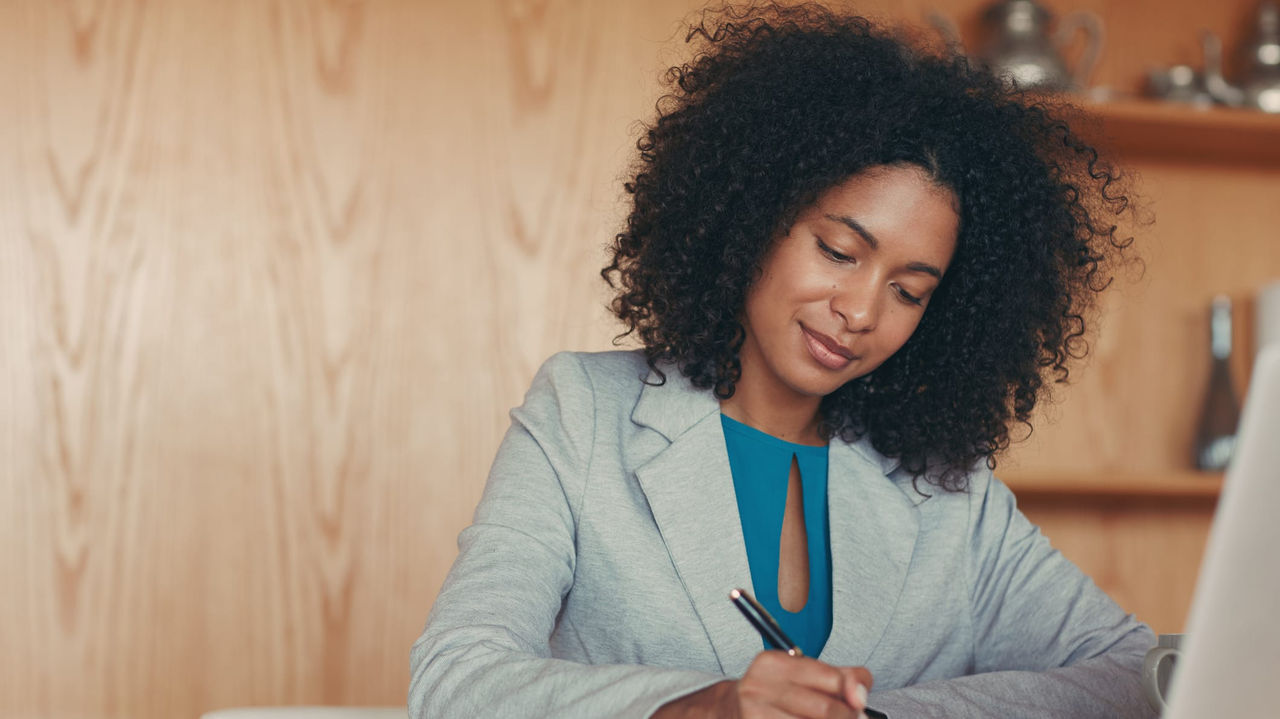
{"x": 815, "y": 685}
{"x": 857, "y": 684}
{"x": 783, "y": 698}
{"x": 803, "y": 671}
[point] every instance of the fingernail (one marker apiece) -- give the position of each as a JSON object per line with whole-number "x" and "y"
{"x": 861, "y": 692}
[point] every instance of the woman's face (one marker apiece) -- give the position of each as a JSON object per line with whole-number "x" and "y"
{"x": 848, "y": 284}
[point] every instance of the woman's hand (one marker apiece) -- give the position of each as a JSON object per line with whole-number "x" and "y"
{"x": 778, "y": 685}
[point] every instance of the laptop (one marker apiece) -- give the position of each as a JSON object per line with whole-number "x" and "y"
{"x": 1230, "y": 663}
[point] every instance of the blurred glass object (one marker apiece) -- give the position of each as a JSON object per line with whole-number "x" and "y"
{"x": 1216, "y": 434}
{"x": 1020, "y": 46}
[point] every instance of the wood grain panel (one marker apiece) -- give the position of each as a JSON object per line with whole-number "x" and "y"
{"x": 295, "y": 260}
{"x": 272, "y": 272}
{"x": 84, "y": 279}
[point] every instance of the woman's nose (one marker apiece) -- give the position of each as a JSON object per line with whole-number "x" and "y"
{"x": 858, "y": 305}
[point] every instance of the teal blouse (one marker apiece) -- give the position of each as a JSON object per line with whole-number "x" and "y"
{"x": 761, "y": 467}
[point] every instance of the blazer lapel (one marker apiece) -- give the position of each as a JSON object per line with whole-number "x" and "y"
{"x": 689, "y": 488}
{"x": 873, "y": 526}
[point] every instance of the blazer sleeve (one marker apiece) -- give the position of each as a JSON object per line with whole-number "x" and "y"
{"x": 1047, "y": 641}
{"x": 485, "y": 649}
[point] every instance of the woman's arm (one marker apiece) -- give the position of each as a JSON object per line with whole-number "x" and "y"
{"x": 485, "y": 649}
{"x": 1048, "y": 642}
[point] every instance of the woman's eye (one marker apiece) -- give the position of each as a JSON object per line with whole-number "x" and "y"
{"x": 837, "y": 256}
{"x": 908, "y": 297}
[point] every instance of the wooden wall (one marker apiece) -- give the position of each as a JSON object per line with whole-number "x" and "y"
{"x": 273, "y": 271}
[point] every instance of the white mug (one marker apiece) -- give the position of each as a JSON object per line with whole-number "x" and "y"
{"x": 1157, "y": 669}
{"x": 1268, "y": 315}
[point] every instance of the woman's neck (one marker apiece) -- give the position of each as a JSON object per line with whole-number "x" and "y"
{"x": 793, "y": 422}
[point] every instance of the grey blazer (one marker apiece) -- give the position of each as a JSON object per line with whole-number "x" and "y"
{"x": 594, "y": 580}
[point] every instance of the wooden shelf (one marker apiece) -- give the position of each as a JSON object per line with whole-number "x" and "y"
{"x": 1168, "y": 130}
{"x": 1180, "y": 485}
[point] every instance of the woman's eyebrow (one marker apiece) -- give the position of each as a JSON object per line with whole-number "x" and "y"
{"x": 926, "y": 268}
{"x": 871, "y": 240}
{"x": 856, "y": 227}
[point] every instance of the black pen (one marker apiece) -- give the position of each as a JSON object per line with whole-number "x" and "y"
{"x": 763, "y": 623}
{"x": 772, "y": 633}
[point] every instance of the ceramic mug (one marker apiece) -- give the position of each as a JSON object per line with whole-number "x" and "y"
{"x": 1268, "y": 315}
{"x": 1157, "y": 669}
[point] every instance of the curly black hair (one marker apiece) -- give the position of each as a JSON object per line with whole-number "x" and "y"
{"x": 782, "y": 102}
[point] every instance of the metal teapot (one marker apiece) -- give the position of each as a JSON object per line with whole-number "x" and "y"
{"x": 1019, "y": 47}
{"x": 1260, "y": 89}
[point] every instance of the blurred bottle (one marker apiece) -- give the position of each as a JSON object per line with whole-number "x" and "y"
{"x": 1216, "y": 436}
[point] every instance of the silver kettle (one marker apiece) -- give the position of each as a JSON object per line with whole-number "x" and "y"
{"x": 1260, "y": 88}
{"x": 1020, "y": 48}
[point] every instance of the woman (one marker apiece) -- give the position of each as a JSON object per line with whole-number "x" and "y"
{"x": 851, "y": 267}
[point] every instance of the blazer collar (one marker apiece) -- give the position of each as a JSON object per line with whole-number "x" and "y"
{"x": 673, "y": 406}
{"x": 689, "y": 486}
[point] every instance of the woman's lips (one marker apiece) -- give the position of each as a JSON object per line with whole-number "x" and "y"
{"x": 826, "y": 351}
